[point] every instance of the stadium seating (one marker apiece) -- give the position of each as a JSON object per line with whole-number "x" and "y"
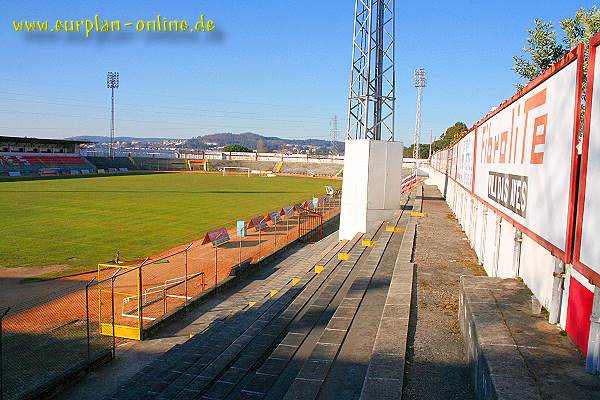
{"x": 34, "y": 164}
{"x": 295, "y": 168}
{"x": 318, "y": 169}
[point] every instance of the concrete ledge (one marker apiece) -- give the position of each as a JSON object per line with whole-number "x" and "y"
{"x": 385, "y": 373}
{"x": 498, "y": 370}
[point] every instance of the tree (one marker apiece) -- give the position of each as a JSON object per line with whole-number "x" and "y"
{"x": 451, "y": 136}
{"x": 423, "y": 151}
{"x": 236, "y": 148}
{"x": 543, "y": 48}
{"x": 542, "y": 51}
{"x": 582, "y": 27}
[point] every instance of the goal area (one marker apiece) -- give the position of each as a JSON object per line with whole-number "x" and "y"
{"x": 236, "y": 171}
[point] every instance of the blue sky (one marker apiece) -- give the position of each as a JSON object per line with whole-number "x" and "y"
{"x": 278, "y": 68}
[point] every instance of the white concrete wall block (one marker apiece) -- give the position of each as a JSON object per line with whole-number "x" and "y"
{"x": 490, "y": 240}
{"x": 537, "y": 267}
{"x": 372, "y": 184}
{"x": 506, "y": 267}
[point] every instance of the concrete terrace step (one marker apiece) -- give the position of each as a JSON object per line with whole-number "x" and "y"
{"x": 188, "y": 387}
{"x": 309, "y": 308}
{"x": 281, "y": 369}
{"x": 384, "y": 377}
{"x": 268, "y": 338}
{"x": 315, "y": 370}
{"x": 218, "y": 327}
{"x": 213, "y": 378}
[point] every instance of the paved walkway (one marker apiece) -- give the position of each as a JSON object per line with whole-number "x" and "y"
{"x": 436, "y": 364}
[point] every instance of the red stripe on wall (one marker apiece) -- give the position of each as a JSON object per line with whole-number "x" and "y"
{"x": 578, "y": 314}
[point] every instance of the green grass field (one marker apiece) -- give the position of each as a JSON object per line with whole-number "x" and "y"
{"x": 80, "y": 222}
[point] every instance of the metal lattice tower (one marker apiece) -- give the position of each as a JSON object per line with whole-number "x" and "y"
{"x": 372, "y": 82}
{"x": 112, "y": 82}
{"x": 334, "y": 135}
{"x": 420, "y": 82}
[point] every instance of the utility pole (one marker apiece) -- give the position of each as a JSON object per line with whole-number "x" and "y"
{"x": 372, "y": 78}
{"x": 420, "y": 82}
{"x": 112, "y": 82}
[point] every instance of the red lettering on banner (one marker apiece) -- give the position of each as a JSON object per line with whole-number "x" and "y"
{"x": 502, "y": 147}
{"x": 530, "y": 104}
{"x": 514, "y": 155}
{"x": 512, "y": 126}
{"x": 489, "y": 144}
{"x": 503, "y": 138}
{"x": 496, "y": 147}
{"x": 539, "y": 139}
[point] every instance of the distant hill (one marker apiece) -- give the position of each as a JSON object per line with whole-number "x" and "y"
{"x": 104, "y": 139}
{"x": 251, "y": 140}
{"x": 246, "y": 139}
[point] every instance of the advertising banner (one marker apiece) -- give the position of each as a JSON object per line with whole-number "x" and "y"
{"x": 258, "y": 223}
{"x": 465, "y": 151}
{"x": 241, "y": 229}
{"x": 287, "y": 211}
{"x": 274, "y": 217}
{"x": 216, "y": 237}
{"x": 525, "y": 156}
{"x": 587, "y": 251}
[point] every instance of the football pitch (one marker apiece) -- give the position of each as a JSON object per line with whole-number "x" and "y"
{"x": 83, "y": 221}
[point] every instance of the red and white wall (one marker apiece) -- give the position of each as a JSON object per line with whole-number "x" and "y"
{"x": 528, "y": 202}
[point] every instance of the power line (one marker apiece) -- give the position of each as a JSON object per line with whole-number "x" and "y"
{"x": 303, "y": 123}
{"x": 151, "y": 94}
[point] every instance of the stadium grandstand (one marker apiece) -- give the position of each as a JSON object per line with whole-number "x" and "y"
{"x": 27, "y": 156}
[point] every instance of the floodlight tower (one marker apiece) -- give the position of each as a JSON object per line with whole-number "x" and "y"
{"x": 112, "y": 82}
{"x": 420, "y": 82}
{"x": 372, "y": 82}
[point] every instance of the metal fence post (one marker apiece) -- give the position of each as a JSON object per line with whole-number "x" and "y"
{"x": 140, "y": 301}
{"x": 259, "y": 243}
{"x": 186, "y": 279}
{"x": 87, "y": 322}
{"x": 2, "y": 355}
{"x": 216, "y": 268}
{"x": 112, "y": 307}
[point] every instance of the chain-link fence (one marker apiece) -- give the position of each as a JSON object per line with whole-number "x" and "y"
{"x": 46, "y": 340}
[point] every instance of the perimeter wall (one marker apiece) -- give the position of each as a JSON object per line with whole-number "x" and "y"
{"x": 516, "y": 183}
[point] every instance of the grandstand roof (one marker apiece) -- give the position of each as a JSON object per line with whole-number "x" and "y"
{"x": 15, "y": 139}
